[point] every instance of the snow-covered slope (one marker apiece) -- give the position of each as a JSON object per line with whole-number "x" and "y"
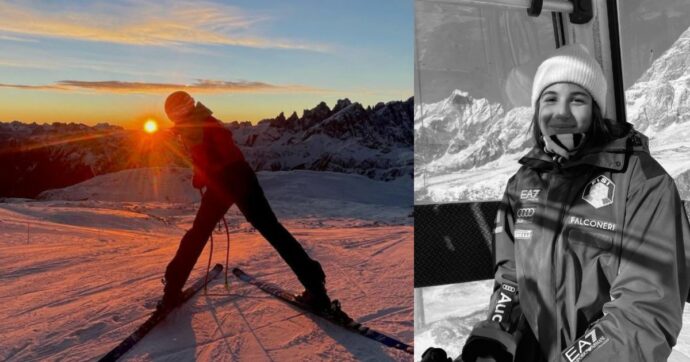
{"x": 79, "y": 276}
{"x": 156, "y": 184}
{"x": 460, "y": 139}
{"x": 297, "y": 193}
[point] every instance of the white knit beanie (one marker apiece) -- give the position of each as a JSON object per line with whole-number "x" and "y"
{"x": 572, "y": 64}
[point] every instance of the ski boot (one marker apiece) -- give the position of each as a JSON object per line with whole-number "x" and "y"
{"x": 321, "y": 302}
{"x": 337, "y": 313}
{"x": 171, "y": 300}
{"x": 318, "y": 300}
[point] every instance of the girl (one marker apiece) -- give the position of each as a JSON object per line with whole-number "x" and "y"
{"x": 220, "y": 167}
{"x": 589, "y": 240}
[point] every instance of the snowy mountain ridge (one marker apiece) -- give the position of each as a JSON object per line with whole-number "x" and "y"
{"x": 376, "y": 142}
{"x": 661, "y": 96}
{"x": 462, "y": 133}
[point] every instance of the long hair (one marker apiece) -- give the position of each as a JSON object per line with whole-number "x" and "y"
{"x": 598, "y": 134}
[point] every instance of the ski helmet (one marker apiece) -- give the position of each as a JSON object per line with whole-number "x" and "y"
{"x": 178, "y": 104}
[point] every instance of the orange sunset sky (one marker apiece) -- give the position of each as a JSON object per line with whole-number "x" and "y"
{"x": 116, "y": 61}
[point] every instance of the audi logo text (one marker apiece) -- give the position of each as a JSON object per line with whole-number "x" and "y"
{"x": 526, "y": 212}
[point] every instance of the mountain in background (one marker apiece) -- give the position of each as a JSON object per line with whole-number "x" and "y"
{"x": 467, "y": 148}
{"x": 661, "y": 97}
{"x": 462, "y": 132}
{"x": 376, "y": 142}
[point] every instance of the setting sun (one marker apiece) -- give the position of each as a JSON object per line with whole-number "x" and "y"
{"x": 151, "y": 126}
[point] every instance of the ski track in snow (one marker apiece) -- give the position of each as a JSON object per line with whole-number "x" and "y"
{"x": 87, "y": 273}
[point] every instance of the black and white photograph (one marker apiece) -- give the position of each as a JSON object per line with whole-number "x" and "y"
{"x": 552, "y": 180}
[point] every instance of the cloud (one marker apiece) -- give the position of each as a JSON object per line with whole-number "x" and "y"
{"x": 18, "y": 39}
{"x": 146, "y": 23}
{"x": 61, "y": 63}
{"x": 32, "y": 87}
{"x": 27, "y": 64}
{"x": 200, "y": 86}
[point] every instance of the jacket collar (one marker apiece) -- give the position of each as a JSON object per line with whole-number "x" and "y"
{"x": 196, "y": 117}
{"x": 611, "y": 156}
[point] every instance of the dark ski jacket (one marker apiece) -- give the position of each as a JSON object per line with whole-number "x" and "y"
{"x": 591, "y": 258}
{"x": 213, "y": 151}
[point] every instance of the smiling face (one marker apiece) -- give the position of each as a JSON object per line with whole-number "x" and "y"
{"x": 564, "y": 108}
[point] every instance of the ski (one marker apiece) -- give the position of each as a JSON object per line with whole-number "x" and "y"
{"x": 352, "y": 326}
{"x": 157, "y": 316}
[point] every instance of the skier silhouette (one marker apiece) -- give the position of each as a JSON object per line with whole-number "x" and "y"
{"x": 221, "y": 169}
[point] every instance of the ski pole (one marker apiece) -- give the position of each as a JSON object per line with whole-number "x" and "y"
{"x": 227, "y": 252}
{"x": 210, "y": 255}
{"x": 208, "y": 267}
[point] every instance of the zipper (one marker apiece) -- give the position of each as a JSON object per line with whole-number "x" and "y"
{"x": 555, "y": 263}
{"x": 569, "y": 197}
{"x": 558, "y": 251}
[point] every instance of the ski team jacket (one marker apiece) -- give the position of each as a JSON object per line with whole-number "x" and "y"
{"x": 590, "y": 256}
{"x": 216, "y": 151}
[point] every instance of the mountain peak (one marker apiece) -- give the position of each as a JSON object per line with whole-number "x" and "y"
{"x": 342, "y": 103}
{"x": 459, "y": 98}
{"x": 661, "y": 96}
{"x": 315, "y": 115}
{"x": 672, "y": 64}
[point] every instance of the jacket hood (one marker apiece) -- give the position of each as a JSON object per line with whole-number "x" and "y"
{"x": 612, "y": 155}
{"x": 199, "y": 114}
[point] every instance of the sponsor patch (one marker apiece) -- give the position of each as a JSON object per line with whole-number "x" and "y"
{"x": 599, "y": 192}
{"x": 524, "y": 215}
{"x": 530, "y": 194}
{"x": 585, "y": 345}
{"x": 526, "y": 212}
{"x": 636, "y": 140}
{"x": 523, "y": 234}
{"x": 592, "y": 223}
{"x": 504, "y": 304}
